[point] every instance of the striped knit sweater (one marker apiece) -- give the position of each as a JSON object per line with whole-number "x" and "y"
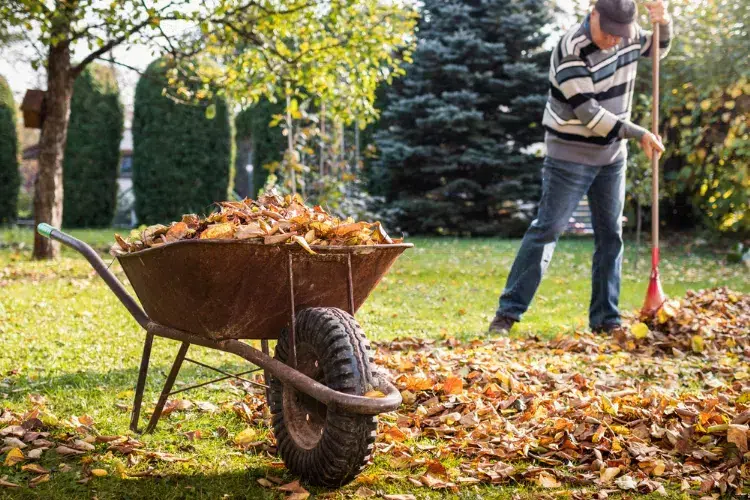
{"x": 591, "y": 92}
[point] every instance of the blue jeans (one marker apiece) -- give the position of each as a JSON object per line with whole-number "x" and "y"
{"x": 563, "y": 186}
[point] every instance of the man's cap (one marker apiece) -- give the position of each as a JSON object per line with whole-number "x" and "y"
{"x": 617, "y": 17}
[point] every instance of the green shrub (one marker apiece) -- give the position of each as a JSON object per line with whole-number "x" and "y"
{"x": 182, "y": 151}
{"x": 10, "y": 179}
{"x": 92, "y": 152}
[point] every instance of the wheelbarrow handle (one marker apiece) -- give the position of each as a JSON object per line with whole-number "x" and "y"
{"x": 100, "y": 267}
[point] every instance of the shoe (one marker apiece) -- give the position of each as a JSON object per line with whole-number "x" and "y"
{"x": 606, "y": 328}
{"x": 501, "y": 325}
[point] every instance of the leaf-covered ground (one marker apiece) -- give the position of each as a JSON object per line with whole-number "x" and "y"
{"x": 548, "y": 412}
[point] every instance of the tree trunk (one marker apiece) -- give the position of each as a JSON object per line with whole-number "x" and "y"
{"x": 290, "y": 143}
{"x": 48, "y": 189}
{"x": 322, "y": 138}
{"x": 356, "y": 146}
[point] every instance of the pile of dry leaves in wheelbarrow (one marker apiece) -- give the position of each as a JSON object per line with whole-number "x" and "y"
{"x": 270, "y": 220}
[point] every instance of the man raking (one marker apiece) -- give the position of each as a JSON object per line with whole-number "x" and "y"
{"x": 587, "y": 122}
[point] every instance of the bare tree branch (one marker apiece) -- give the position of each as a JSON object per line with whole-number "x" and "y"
{"x": 107, "y": 47}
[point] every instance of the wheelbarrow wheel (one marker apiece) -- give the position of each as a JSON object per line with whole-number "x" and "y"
{"x": 325, "y": 447}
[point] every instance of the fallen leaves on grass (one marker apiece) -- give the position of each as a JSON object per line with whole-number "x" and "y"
{"x": 582, "y": 410}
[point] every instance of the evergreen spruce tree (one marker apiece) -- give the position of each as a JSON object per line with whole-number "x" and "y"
{"x": 92, "y": 152}
{"x": 182, "y": 158}
{"x": 453, "y": 130}
{"x": 10, "y": 178}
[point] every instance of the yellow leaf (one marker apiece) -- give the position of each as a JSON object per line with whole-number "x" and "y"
{"x": 621, "y": 430}
{"x": 609, "y": 406}
{"x": 608, "y": 474}
{"x": 303, "y": 243}
{"x": 659, "y": 468}
{"x": 639, "y": 330}
{"x": 696, "y": 343}
{"x": 221, "y": 231}
{"x": 705, "y": 104}
{"x": 99, "y": 472}
{"x": 245, "y": 437}
{"x": 744, "y": 398}
{"x": 729, "y": 104}
{"x": 686, "y": 120}
{"x": 14, "y": 456}
{"x": 374, "y": 394}
{"x": 616, "y": 446}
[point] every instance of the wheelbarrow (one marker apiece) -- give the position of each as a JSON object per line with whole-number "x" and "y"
{"x": 322, "y": 386}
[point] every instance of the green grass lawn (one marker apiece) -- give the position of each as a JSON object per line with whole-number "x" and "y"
{"x": 63, "y": 335}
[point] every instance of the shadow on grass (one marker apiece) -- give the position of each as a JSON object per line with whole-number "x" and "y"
{"x": 239, "y": 484}
{"x": 115, "y": 382}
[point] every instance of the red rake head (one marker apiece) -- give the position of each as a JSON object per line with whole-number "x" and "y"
{"x": 654, "y": 295}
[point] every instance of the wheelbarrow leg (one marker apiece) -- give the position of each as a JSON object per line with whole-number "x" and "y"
{"x": 266, "y": 374}
{"x": 141, "y": 382}
{"x": 167, "y": 387}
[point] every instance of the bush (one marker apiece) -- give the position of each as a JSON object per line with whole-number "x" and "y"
{"x": 10, "y": 179}
{"x": 182, "y": 151}
{"x": 92, "y": 152}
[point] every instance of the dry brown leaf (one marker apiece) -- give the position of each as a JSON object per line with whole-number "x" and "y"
{"x": 364, "y": 492}
{"x": 66, "y": 451}
{"x": 607, "y": 475}
{"x": 38, "y": 480}
{"x": 278, "y": 238}
{"x": 453, "y": 385}
{"x": 7, "y": 484}
{"x": 35, "y": 468}
{"x": 737, "y": 434}
{"x": 222, "y": 231}
{"x": 266, "y": 483}
{"x": 547, "y": 480}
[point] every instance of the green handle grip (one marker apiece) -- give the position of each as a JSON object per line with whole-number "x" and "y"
{"x": 45, "y": 229}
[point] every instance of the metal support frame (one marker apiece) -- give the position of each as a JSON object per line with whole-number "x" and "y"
{"x": 167, "y": 387}
{"x": 293, "y": 322}
{"x": 169, "y": 383}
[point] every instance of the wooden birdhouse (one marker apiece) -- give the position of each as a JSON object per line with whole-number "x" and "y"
{"x": 33, "y": 108}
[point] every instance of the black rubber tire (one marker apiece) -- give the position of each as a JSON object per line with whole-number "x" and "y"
{"x": 344, "y": 363}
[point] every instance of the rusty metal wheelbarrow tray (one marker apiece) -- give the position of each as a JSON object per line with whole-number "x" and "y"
{"x": 244, "y": 285}
{"x": 232, "y": 289}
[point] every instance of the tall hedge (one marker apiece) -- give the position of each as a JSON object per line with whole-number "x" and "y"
{"x": 92, "y": 152}
{"x": 182, "y": 156}
{"x": 10, "y": 178}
